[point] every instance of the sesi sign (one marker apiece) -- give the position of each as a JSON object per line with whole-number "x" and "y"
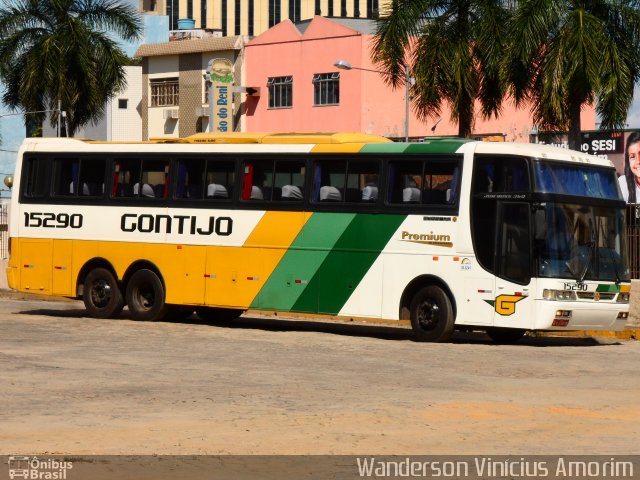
{"x": 602, "y": 143}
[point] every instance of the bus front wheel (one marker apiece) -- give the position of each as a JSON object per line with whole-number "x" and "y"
{"x": 432, "y": 317}
{"x": 145, "y": 296}
{"x": 101, "y": 294}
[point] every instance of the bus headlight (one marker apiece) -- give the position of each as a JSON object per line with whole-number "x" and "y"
{"x": 623, "y": 297}
{"x": 559, "y": 295}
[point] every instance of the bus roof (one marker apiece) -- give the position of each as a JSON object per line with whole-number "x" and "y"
{"x": 276, "y": 138}
{"x": 238, "y": 142}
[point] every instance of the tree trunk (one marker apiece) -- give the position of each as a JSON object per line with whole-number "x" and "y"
{"x": 464, "y": 127}
{"x": 575, "y": 139}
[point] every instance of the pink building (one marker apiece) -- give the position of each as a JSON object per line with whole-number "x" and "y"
{"x": 302, "y": 90}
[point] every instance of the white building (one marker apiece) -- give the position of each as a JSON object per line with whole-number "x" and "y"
{"x": 122, "y": 120}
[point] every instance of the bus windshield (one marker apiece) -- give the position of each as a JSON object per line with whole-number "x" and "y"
{"x": 580, "y": 242}
{"x": 577, "y": 180}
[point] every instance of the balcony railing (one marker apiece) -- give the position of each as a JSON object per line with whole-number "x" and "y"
{"x": 178, "y": 35}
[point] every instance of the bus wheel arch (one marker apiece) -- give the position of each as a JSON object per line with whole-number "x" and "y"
{"x": 145, "y": 292}
{"x": 430, "y": 306}
{"x": 100, "y": 290}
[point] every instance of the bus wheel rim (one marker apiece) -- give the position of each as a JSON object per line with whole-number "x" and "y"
{"x": 101, "y": 293}
{"x": 428, "y": 314}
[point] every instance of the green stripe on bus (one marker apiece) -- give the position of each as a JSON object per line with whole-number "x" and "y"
{"x": 437, "y": 145}
{"x": 607, "y": 288}
{"x": 384, "y": 148}
{"x": 347, "y": 264}
{"x": 300, "y": 263}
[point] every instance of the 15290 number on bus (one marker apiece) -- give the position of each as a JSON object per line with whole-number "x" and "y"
{"x": 52, "y": 220}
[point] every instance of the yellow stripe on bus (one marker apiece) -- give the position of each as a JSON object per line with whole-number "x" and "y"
{"x": 236, "y": 274}
{"x": 337, "y": 148}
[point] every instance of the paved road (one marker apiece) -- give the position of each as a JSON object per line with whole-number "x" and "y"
{"x": 75, "y": 385}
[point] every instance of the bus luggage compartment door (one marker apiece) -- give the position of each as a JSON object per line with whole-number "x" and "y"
{"x": 35, "y": 266}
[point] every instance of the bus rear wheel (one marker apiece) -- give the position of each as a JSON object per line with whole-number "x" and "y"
{"x": 145, "y": 296}
{"x": 101, "y": 294}
{"x": 432, "y": 315}
{"x": 505, "y": 335}
{"x": 213, "y": 314}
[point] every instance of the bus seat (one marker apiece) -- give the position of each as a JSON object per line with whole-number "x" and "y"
{"x": 85, "y": 190}
{"x": 147, "y": 190}
{"x": 256, "y": 193}
{"x": 291, "y": 192}
{"x": 370, "y": 193}
{"x": 215, "y": 190}
{"x": 330, "y": 193}
{"x": 411, "y": 195}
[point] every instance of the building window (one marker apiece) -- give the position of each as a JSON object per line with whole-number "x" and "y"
{"x": 294, "y": 10}
{"x": 189, "y": 8}
{"x": 172, "y": 12}
{"x": 123, "y": 103}
{"x": 280, "y": 92}
{"x": 274, "y": 12}
{"x": 372, "y": 8}
{"x": 250, "y": 18}
{"x": 237, "y": 20}
{"x": 164, "y": 92}
{"x": 203, "y": 13}
{"x": 326, "y": 88}
{"x": 223, "y": 17}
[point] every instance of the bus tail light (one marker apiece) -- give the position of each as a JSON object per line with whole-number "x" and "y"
{"x": 623, "y": 315}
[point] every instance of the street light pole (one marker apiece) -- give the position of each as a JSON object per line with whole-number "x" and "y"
{"x": 408, "y": 80}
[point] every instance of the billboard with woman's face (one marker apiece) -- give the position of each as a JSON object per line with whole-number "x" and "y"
{"x": 622, "y": 148}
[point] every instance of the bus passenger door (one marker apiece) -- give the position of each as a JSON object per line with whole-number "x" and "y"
{"x": 513, "y": 306}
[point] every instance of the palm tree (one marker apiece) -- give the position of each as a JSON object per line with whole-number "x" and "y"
{"x": 63, "y": 52}
{"x": 565, "y": 54}
{"x": 453, "y": 49}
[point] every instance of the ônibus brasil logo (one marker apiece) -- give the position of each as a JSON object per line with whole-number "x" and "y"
{"x": 21, "y": 466}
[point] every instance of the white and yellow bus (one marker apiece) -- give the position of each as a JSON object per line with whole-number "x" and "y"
{"x": 448, "y": 233}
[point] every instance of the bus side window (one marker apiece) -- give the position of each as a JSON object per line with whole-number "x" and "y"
{"x": 439, "y": 183}
{"x": 329, "y": 180}
{"x": 220, "y": 178}
{"x": 126, "y": 176}
{"x": 155, "y": 179}
{"x": 289, "y": 180}
{"x": 36, "y": 175}
{"x": 92, "y": 177}
{"x": 362, "y": 182}
{"x": 405, "y": 182}
{"x": 66, "y": 177}
{"x": 258, "y": 181}
{"x": 189, "y": 183}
